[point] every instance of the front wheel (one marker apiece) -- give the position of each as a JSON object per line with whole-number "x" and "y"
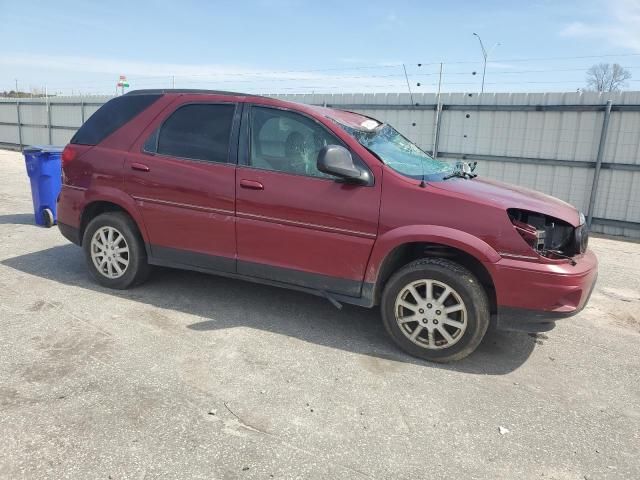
{"x": 435, "y": 309}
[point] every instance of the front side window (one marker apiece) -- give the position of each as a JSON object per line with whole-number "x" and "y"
{"x": 198, "y": 132}
{"x": 397, "y": 151}
{"x": 287, "y": 142}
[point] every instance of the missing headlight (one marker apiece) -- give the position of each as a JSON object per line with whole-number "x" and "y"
{"x": 547, "y": 235}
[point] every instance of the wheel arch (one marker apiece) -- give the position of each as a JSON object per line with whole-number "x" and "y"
{"x": 394, "y": 252}
{"x": 99, "y": 204}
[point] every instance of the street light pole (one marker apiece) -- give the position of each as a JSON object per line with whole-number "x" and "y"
{"x": 485, "y": 54}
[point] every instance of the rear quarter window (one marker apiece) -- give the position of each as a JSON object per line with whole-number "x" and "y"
{"x": 110, "y": 117}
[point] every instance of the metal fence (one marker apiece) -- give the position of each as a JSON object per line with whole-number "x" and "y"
{"x": 570, "y": 145}
{"x": 42, "y": 121}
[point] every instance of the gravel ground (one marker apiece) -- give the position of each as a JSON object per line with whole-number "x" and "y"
{"x": 194, "y": 376}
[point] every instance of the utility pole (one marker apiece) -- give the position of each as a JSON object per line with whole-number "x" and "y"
{"x": 16, "y": 85}
{"x": 408, "y": 85}
{"x": 436, "y": 130}
{"x": 485, "y": 55}
{"x": 173, "y": 81}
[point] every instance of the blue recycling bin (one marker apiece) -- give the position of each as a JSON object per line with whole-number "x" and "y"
{"x": 44, "y": 167}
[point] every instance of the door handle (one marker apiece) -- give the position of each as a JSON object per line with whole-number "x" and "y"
{"x": 139, "y": 166}
{"x": 251, "y": 184}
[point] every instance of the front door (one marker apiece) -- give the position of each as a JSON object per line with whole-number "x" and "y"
{"x": 183, "y": 180}
{"x": 296, "y": 224}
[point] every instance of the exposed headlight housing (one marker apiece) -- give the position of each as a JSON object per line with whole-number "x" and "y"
{"x": 530, "y": 234}
{"x": 547, "y": 235}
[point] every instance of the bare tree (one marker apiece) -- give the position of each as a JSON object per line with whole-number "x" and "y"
{"x": 606, "y": 77}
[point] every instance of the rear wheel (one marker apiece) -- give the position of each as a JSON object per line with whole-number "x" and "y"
{"x": 114, "y": 251}
{"x": 435, "y": 309}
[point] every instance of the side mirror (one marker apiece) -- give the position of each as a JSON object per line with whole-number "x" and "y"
{"x": 336, "y": 160}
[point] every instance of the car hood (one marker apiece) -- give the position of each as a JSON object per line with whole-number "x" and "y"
{"x": 506, "y": 196}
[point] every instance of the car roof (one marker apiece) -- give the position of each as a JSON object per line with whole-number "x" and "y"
{"x": 345, "y": 117}
{"x": 351, "y": 119}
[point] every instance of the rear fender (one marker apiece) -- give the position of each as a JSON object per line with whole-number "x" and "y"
{"x": 120, "y": 198}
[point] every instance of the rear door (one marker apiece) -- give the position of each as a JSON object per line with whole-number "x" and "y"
{"x": 181, "y": 174}
{"x": 296, "y": 224}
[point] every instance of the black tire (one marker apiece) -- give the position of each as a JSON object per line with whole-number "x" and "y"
{"x": 467, "y": 287}
{"x": 49, "y": 221}
{"x": 138, "y": 268}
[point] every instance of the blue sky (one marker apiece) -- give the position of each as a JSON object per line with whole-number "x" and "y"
{"x": 295, "y": 46}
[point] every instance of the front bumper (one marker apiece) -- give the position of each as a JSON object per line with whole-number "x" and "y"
{"x": 531, "y": 296}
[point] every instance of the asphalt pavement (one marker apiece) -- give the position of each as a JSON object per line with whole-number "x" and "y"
{"x": 195, "y": 376}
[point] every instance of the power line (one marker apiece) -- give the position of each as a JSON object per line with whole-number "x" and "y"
{"x": 165, "y": 80}
{"x": 259, "y": 73}
{"x": 536, "y": 59}
{"x": 260, "y": 78}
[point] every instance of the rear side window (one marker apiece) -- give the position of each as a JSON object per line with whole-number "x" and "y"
{"x": 110, "y": 117}
{"x": 198, "y": 131}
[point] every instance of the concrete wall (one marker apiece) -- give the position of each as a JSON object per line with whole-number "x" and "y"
{"x": 548, "y": 142}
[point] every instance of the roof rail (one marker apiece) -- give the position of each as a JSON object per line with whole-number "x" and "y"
{"x": 162, "y": 91}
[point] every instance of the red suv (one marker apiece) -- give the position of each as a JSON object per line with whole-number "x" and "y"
{"x": 325, "y": 201}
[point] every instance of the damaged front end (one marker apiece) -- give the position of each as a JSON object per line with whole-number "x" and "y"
{"x": 557, "y": 284}
{"x": 548, "y": 236}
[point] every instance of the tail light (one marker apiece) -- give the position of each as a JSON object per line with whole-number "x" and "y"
{"x": 68, "y": 155}
{"x": 534, "y": 237}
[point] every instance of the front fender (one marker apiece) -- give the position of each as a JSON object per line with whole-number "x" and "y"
{"x": 451, "y": 237}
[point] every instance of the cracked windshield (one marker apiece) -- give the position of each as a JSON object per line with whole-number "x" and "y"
{"x": 398, "y": 152}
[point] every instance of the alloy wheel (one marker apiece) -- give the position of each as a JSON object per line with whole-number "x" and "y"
{"x": 110, "y": 252}
{"x": 431, "y": 314}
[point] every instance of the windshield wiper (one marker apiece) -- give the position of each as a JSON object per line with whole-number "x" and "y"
{"x": 460, "y": 174}
{"x": 463, "y": 170}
